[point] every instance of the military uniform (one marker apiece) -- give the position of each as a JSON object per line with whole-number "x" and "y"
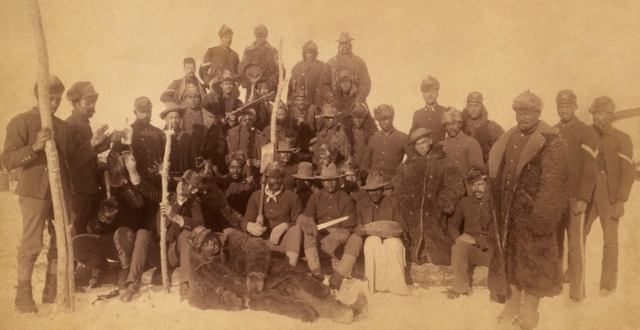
{"x": 430, "y": 118}
{"x": 249, "y": 142}
{"x": 237, "y": 192}
{"x": 266, "y": 57}
{"x": 352, "y": 63}
{"x": 217, "y": 58}
{"x": 464, "y": 151}
{"x": 485, "y": 131}
{"x": 385, "y": 152}
{"x": 196, "y": 123}
{"x": 307, "y": 75}
{"x": 175, "y": 90}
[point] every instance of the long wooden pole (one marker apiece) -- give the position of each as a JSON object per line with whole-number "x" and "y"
{"x": 66, "y": 282}
{"x": 163, "y": 218}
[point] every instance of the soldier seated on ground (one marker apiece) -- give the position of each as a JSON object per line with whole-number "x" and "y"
{"x": 232, "y": 270}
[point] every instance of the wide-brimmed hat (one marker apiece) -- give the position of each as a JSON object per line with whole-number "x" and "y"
{"x": 344, "y": 37}
{"x": 375, "y": 181}
{"x": 170, "y": 107}
{"x": 329, "y": 172}
{"x": 329, "y": 110}
{"x": 305, "y": 171}
{"x": 286, "y": 145}
{"x": 191, "y": 177}
{"x": 419, "y": 134}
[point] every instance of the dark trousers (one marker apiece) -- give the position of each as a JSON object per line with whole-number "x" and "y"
{"x": 465, "y": 257}
{"x": 601, "y": 207}
{"x": 145, "y": 250}
{"x": 80, "y": 211}
{"x": 92, "y": 250}
{"x": 35, "y": 213}
{"x": 575, "y": 272}
{"x": 178, "y": 256}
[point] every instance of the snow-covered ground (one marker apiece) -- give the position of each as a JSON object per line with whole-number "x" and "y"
{"x": 426, "y": 308}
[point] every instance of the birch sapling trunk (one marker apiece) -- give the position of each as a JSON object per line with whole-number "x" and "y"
{"x": 163, "y": 217}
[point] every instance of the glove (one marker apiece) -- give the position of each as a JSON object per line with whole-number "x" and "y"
{"x": 255, "y": 229}
{"x": 580, "y": 207}
{"x": 618, "y": 210}
{"x": 277, "y": 232}
{"x": 359, "y": 230}
{"x": 340, "y": 234}
{"x": 307, "y": 225}
{"x": 329, "y": 244}
{"x": 108, "y": 210}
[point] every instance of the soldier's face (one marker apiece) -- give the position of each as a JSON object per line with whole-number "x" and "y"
{"x": 328, "y": 97}
{"x": 351, "y": 177}
{"x": 300, "y": 103}
{"x": 330, "y": 186}
{"x": 190, "y": 70}
{"x": 226, "y": 41}
{"x": 275, "y": 182}
{"x": 375, "y": 195}
{"x": 324, "y": 160}
{"x": 232, "y": 120}
{"x": 185, "y": 189}
{"x": 474, "y": 109}
{"x": 301, "y": 183}
{"x": 263, "y": 89}
{"x": 247, "y": 122}
{"x": 343, "y": 48}
{"x": 86, "y": 106}
{"x": 566, "y": 111}
{"x": 386, "y": 124}
{"x": 54, "y": 101}
{"x": 602, "y": 118}
{"x": 479, "y": 189}
{"x": 527, "y": 119}
{"x": 345, "y": 86}
{"x": 423, "y": 146}
{"x": 308, "y": 56}
{"x": 261, "y": 41}
{"x": 281, "y": 114}
{"x": 211, "y": 247}
{"x": 430, "y": 96}
{"x": 173, "y": 119}
{"x": 330, "y": 121}
{"x": 358, "y": 122}
{"x": 453, "y": 128}
{"x": 235, "y": 169}
{"x": 143, "y": 115}
{"x": 284, "y": 156}
{"x": 227, "y": 87}
{"x": 193, "y": 101}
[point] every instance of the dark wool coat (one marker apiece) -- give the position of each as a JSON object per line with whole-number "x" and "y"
{"x": 353, "y": 64}
{"x": 531, "y": 257}
{"x": 486, "y": 132}
{"x": 307, "y": 75}
{"x": 428, "y": 189}
{"x": 267, "y": 59}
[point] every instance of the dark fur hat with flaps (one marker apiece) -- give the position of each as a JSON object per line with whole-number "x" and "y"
{"x": 475, "y": 174}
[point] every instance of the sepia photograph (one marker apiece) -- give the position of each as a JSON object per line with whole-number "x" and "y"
{"x": 441, "y": 164}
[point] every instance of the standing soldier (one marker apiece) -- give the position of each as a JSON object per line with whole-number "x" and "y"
{"x": 528, "y": 174}
{"x": 88, "y": 144}
{"x": 476, "y": 124}
{"x": 196, "y": 121}
{"x": 581, "y": 145}
{"x": 219, "y": 57}
{"x": 430, "y": 116}
{"x": 345, "y": 60}
{"x": 183, "y": 151}
{"x": 614, "y": 178}
{"x": 464, "y": 151}
{"x": 175, "y": 91}
{"x": 346, "y": 95}
{"x": 260, "y": 52}
{"x": 24, "y": 148}
{"x": 249, "y": 140}
{"x": 363, "y": 129}
{"x": 307, "y": 73}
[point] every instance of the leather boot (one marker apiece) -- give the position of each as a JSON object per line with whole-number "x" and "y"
{"x": 24, "y": 298}
{"x": 335, "y": 281}
{"x": 50, "y": 283}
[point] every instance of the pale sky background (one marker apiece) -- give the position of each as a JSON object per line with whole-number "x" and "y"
{"x": 500, "y": 48}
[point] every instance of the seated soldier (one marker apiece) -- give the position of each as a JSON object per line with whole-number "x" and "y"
{"x": 287, "y": 155}
{"x": 285, "y": 126}
{"x": 231, "y": 271}
{"x": 471, "y": 248}
{"x": 350, "y": 185}
{"x": 336, "y": 241}
{"x": 384, "y": 251}
{"x": 217, "y": 213}
{"x": 281, "y": 207}
{"x": 111, "y": 230}
{"x": 183, "y": 150}
{"x": 239, "y": 184}
{"x": 183, "y": 213}
{"x": 305, "y": 186}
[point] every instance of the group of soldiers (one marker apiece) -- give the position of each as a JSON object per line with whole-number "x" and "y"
{"x": 457, "y": 190}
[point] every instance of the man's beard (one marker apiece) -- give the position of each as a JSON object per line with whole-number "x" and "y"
{"x": 281, "y": 122}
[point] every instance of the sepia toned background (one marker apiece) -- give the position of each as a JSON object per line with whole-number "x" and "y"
{"x": 130, "y": 48}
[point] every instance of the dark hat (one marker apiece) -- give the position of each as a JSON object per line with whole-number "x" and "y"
{"x": 170, "y": 107}
{"x": 310, "y": 46}
{"x": 188, "y": 60}
{"x": 225, "y": 31}
{"x": 81, "y": 90}
{"x": 602, "y": 104}
{"x": 344, "y": 74}
{"x": 191, "y": 89}
{"x": 142, "y": 104}
{"x": 527, "y": 101}
{"x": 238, "y": 156}
{"x": 329, "y": 172}
{"x": 344, "y": 37}
{"x": 261, "y": 31}
{"x": 286, "y": 145}
{"x": 359, "y": 110}
{"x": 475, "y": 174}
{"x": 247, "y": 113}
{"x": 383, "y": 111}
{"x": 301, "y": 92}
{"x": 375, "y": 181}
{"x": 429, "y": 83}
{"x": 419, "y": 134}
{"x": 475, "y": 97}
{"x": 191, "y": 177}
{"x": 55, "y": 86}
{"x": 451, "y": 115}
{"x": 275, "y": 169}
{"x": 566, "y": 97}
{"x": 227, "y": 75}
{"x": 329, "y": 110}
{"x": 305, "y": 171}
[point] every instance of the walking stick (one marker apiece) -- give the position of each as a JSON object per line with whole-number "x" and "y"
{"x": 163, "y": 217}
{"x": 107, "y": 184}
{"x": 66, "y": 283}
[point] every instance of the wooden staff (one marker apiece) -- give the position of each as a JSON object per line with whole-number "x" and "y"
{"x": 65, "y": 273}
{"x": 163, "y": 218}
{"x": 107, "y": 184}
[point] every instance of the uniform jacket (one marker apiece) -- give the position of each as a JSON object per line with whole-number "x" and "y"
{"x": 537, "y": 214}
{"x": 198, "y": 131}
{"x": 361, "y": 137}
{"x": 385, "y": 152}
{"x": 216, "y": 58}
{"x": 473, "y": 216}
{"x": 249, "y": 142}
{"x": 175, "y": 90}
{"x": 307, "y": 75}
{"x": 216, "y": 104}
{"x": 191, "y": 213}
{"x": 431, "y": 120}
{"x": 84, "y": 163}
{"x": 324, "y": 207}
{"x": 344, "y": 103}
{"x": 618, "y": 157}
{"x": 388, "y": 209}
{"x": 147, "y": 144}
{"x": 283, "y": 132}
{"x": 237, "y": 193}
{"x": 130, "y": 203}
{"x": 285, "y": 210}
{"x": 464, "y": 151}
{"x": 353, "y": 64}
{"x": 22, "y": 132}
{"x": 266, "y": 58}
{"x": 214, "y": 147}
{"x": 428, "y": 188}
{"x": 187, "y": 152}
{"x": 581, "y": 147}
{"x": 485, "y": 131}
